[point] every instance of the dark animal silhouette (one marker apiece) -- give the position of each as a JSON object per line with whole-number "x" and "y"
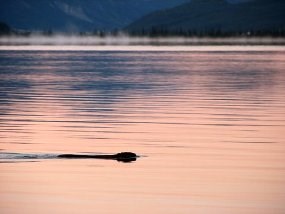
{"x": 122, "y": 156}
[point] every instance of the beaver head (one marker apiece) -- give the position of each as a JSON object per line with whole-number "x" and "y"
{"x": 126, "y": 156}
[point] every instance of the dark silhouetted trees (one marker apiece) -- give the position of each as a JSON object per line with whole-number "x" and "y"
{"x": 5, "y": 29}
{"x": 215, "y": 33}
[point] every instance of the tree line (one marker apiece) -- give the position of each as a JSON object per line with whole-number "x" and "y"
{"x": 5, "y": 30}
{"x": 219, "y": 33}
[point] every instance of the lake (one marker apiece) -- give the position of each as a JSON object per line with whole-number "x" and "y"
{"x": 208, "y": 123}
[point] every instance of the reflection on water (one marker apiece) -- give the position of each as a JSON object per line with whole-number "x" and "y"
{"x": 210, "y": 125}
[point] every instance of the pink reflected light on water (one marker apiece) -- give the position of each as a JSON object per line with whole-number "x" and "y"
{"x": 209, "y": 125}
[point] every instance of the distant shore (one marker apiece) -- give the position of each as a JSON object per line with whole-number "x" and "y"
{"x": 136, "y": 40}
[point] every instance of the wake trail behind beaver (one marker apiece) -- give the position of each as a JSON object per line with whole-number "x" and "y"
{"x": 12, "y": 156}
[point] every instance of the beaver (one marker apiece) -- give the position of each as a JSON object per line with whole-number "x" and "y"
{"x": 122, "y": 156}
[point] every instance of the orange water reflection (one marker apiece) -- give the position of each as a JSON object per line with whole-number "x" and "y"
{"x": 210, "y": 126}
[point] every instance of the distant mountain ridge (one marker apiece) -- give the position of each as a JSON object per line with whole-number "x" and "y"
{"x": 210, "y": 15}
{"x": 77, "y": 15}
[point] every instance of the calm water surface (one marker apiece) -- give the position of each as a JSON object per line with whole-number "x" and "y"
{"x": 209, "y": 125}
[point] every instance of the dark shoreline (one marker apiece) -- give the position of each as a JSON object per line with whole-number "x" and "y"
{"x": 62, "y": 39}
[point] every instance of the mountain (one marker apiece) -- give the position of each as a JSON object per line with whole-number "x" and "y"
{"x": 213, "y": 15}
{"x": 77, "y": 15}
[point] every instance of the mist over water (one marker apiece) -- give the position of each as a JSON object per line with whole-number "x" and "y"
{"x": 209, "y": 125}
{"x": 128, "y": 40}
